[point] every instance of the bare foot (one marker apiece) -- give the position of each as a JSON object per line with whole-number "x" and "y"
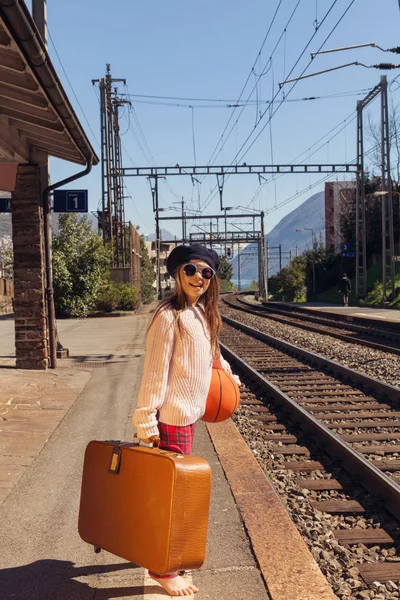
{"x": 177, "y": 586}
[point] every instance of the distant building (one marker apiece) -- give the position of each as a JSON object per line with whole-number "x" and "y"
{"x": 338, "y": 194}
{"x": 165, "y": 249}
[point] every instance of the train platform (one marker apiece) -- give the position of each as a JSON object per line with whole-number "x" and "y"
{"x": 357, "y": 314}
{"x": 47, "y": 419}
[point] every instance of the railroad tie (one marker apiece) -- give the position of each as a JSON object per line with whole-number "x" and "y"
{"x": 368, "y": 537}
{"x": 343, "y": 507}
{"x": 320, "y": 485}
{"x": 382, "y": 572}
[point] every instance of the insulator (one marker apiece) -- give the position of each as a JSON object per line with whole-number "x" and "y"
{"x": 394, "y": 50}
{"x": 386, "y": 66}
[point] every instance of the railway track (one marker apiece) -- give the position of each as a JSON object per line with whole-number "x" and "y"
{"x": 338, "y": 431}
{"x": 358, "y": 334}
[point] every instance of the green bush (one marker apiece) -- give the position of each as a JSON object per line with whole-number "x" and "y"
{"x": 81, "y": 266}
{"x": 226, "y": 286}
{"x": 128, "y": 297}
{"x": 375, "y": 295}
{"x": 118, "y": 296}
{"x": 108, "y": 298}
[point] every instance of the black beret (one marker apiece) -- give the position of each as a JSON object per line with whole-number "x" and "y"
{"x": 184, "y": 254}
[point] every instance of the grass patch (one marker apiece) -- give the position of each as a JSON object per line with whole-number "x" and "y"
{"x": 374, "y": 287}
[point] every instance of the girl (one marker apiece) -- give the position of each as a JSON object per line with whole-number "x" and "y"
{"x": 181, "y": 344}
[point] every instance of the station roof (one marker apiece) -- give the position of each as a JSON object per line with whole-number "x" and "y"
{"x": 36, "y": 117}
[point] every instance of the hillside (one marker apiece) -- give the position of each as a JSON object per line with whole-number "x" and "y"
{"x": 310, "y": 214}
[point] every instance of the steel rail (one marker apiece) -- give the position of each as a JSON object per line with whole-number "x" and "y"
{"x": 332, "y": 319}
{"x": 265, "y": 312}
{"x": 390, "y": 391}
{"x": 362, "y": 469}
{"x": 353, "y": 320}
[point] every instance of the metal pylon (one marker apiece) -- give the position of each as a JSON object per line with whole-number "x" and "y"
{"x": 361, "y": 243}
{"x": 388, "y": 273}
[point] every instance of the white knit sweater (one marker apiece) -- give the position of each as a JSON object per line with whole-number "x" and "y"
{"x": 177, "y": 371}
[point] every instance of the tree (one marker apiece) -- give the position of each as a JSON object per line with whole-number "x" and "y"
{"x": 373, "y": 218}
{"x": 81, "y": 266}
{"x": 290, "y": 282}
{"x": 253, "y": 287}
{"x": 225, "y": 275}
{"x": 374, "y": 135}
{"x": 6, "y": 261}
{"x": 147, "y": 274}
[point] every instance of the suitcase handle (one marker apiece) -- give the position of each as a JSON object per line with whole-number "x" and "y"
{"x": 138, "y": 442}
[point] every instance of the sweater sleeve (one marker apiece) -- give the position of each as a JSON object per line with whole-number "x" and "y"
{"x": 159, "y": 349}
{"x": 227, "y": 367}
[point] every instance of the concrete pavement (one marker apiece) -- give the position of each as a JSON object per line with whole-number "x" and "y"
{"x": 41, "y": 554}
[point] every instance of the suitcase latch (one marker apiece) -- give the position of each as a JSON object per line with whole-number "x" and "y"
{"x": 115, "y": 461}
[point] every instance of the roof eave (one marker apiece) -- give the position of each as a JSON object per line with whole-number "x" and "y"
{"x": 28, "y": 39}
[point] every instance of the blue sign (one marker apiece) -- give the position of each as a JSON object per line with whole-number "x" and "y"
{"x": 348, "y": 247}
{"x": 70, "y": 201}
{"x": 348, "y": 250}
{"x": 5, "y": 205}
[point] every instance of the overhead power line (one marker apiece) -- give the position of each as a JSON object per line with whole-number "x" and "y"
{"x": 163, "y": 100}
{"x": 254, "y": 86}
{"x": 236, "y": 159}
{"x": 72, "y": 88}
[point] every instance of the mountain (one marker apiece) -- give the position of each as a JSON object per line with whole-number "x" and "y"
{"x": 55, "y": 227}
{"x": 310, "y": 214}
{"x": 166, "y": 236}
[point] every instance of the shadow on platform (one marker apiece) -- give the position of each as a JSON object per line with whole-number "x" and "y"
{"x": 57, "y": 580}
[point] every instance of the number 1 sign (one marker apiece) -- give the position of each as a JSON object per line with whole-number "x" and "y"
{"x": 71, "y": 201}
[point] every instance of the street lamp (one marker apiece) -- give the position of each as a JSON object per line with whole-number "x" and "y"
{"x": 313, "y": 257}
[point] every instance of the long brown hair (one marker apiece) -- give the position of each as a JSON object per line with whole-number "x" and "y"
{"x": 209, "y": 300}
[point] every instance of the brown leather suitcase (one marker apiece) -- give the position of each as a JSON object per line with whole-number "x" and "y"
{"x": 146, "y": 505}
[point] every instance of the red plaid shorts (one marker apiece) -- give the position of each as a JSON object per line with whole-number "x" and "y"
{"x": 176, "y": 438}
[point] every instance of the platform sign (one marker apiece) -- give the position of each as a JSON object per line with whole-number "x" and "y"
{"x": 348, "y": 250}
{"x": 5, "y": 205}
{"x": 70, "y": 201}
{"x": 396, "y": 258}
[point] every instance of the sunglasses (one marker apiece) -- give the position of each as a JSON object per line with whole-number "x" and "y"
{"x": 191, "y": 269}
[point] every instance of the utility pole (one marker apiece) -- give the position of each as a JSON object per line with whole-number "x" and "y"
{"x": 388, "y": 267}
{"x": 239, "y": 283}
{"x": 264, "y": 265}
{"x": 225, "y": 230}
{"x": 183, "y": 221}
{"x": 154, "y": 192}
{"x": 113, "y": 211}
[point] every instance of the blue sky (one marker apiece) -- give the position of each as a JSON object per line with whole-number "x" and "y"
{"x": 207, "y": 50}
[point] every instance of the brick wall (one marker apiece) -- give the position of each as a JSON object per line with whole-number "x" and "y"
{"x": 31, "y": 337}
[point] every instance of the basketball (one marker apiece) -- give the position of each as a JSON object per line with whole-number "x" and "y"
{"x": 223, "y": 397}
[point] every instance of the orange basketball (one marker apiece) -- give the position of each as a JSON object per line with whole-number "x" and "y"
{"x": 223, "y": 397}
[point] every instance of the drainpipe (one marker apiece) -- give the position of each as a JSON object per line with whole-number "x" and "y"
{"x": 48, "y": 259}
